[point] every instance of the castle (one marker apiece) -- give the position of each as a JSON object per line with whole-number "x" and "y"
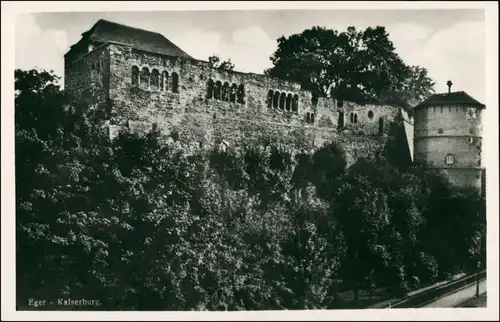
{"x": 139, "y": 80}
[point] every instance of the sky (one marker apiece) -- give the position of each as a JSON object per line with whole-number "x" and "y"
{"x": 450, "y": 43}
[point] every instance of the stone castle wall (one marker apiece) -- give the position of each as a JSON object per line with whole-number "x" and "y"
{"x": 88, "y": 77}
{"x": 249, "y": 113}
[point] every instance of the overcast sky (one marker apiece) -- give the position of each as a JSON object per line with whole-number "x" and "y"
{"x": 449, "y": 43}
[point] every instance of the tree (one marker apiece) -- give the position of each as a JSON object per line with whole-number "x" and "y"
{"x": 215, "y": 62}
{"x": 416, "y": 87}
{"x": 327, "y": 166}
{"x": 359, "y": 66}
{"x": 363, "y": 215}
{"x": 50, "y": 162}
{"x": 39, "y": 102}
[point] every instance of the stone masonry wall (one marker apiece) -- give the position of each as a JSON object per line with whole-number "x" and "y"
{"x": 432, "y": 151}
{"x": 88, "y": 78}
{"x": 446, "y": 120}
{"x": 200, "y": 122}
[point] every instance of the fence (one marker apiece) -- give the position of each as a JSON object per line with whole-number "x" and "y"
{"x": 428, "y": 296}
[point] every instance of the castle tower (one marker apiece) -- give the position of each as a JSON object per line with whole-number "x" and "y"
{"x": 448, "y": 137}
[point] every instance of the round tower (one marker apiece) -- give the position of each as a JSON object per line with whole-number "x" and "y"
{"x": 448, "y": 137}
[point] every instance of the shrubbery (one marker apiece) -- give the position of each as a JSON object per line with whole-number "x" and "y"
{"x": 141, "y": 225}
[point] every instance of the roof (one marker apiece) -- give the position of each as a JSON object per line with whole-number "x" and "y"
{"x": 449, "y": 99}
{"x": 105, "y": 31}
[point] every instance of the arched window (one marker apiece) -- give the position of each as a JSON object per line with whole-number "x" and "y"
{"x": 270, "y": 98}
{"x": 164, "y": 81}
{"x": 175, "y": 82}
{"x": 295, "y": 103}
{"x": 241, "y": 94}
{"x": 308, "y": 117}
{"x": 145, "y": 77}
{"x": 370, "y": 115}
{"x": 380, "y": 126}
{"x": 217, "y": 90}
{"x": 312, "y": 118}
{"x": 289, "y": 102}
{"x": 341, "y": 120}
{"x": 225, "y": 92}
{"x": 155, "y": 79}
{"x": 355, "y": 118}
{"x": 282, "y": 101}
{"x": 352, "y": 117}
{"x": 210, "y": 89}
{"x": 276, "y": 99}
{"x": 232, "y": 94}
{"x": 135, "y": 75}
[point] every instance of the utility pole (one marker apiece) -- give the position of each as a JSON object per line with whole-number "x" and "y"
{"x": 477, "y": 278}
{"x": 478, "y": 266}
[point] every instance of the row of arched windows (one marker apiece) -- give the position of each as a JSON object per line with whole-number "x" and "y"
{"x": 282, "y": 101}
{"x": 225, "y": 92}
{"x": 154, "y": 80}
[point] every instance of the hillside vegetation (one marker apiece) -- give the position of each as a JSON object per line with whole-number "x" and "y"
{"x": 139, "y": 225}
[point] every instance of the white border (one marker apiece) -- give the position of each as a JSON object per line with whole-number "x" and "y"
{"x": 490, "y": 148}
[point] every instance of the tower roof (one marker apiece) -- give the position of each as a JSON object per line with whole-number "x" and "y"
{"x": 104, "y": 31}
{"x": 450, "y": 99}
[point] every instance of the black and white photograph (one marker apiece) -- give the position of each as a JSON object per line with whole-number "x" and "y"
{"x": 284, "y": 159}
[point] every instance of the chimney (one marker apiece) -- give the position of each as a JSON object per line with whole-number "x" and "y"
{"x": 449, "y": 83}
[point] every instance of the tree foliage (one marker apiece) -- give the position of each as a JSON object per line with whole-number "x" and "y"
{"x": 140, "y": 225}
{"x": 215, "y": 62}
{"x": 356, "y": 65}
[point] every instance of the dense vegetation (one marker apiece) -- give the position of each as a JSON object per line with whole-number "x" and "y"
{"x": 141, "y": 225}
{"x": 360, "y": 66}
